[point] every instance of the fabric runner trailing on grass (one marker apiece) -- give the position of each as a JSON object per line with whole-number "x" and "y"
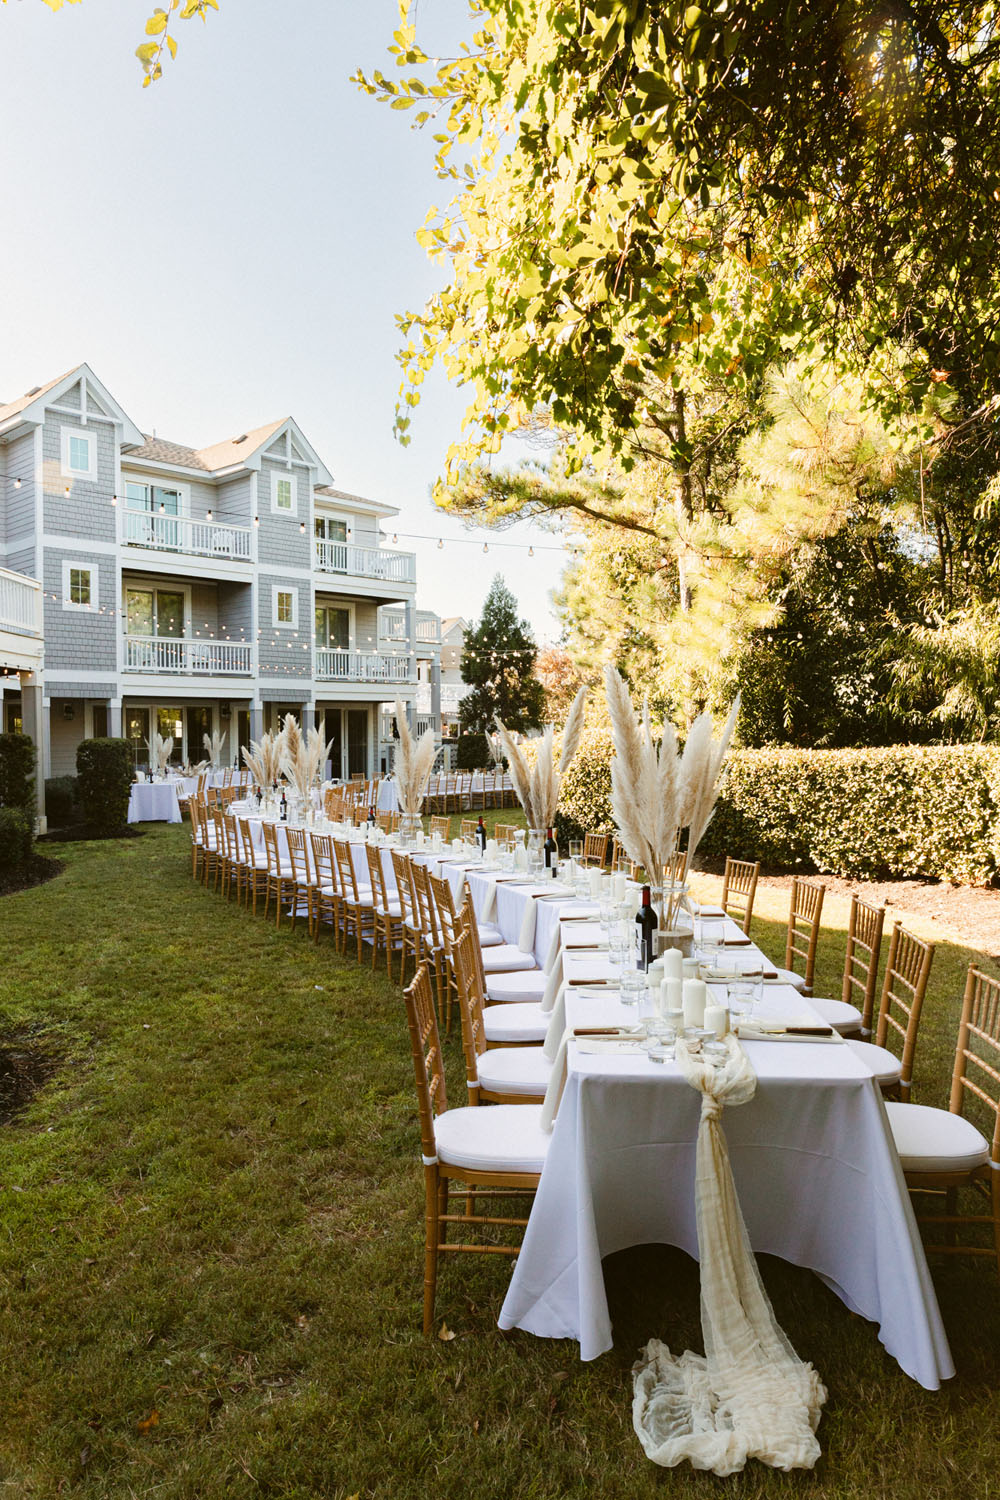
{"x": 749, "y": 1395}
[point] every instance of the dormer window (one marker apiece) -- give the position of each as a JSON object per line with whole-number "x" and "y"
{"x": 79, "y": 454}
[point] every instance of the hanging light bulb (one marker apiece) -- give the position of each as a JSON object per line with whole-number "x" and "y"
{"x": 440, "y": 544}
{"x": 531, "y": 551}
{"x": 114, "y": 499}
{"x": 67, "y": 492}
{"x": 17, "y": 484}
{"x": 486, "y": 546}
{"x": 208, "y": 515}
{"x": 302, "y": 528}
{"x": 256, "y": 520}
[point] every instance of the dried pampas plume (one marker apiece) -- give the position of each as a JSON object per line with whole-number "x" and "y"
{"x": 414, "y": 763}
{"x": 656, "y": 793}
{"x": 213, "y": 743}
{"x": 537, "y": 786}
{"x": 264, "y": 759}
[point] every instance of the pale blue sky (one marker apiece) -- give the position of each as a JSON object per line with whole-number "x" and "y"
{"x": 231, "y": 244}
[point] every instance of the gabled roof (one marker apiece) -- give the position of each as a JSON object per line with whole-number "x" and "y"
{"x": 31, "y": 405}
{"x": 376, "y": 507}
{"x": 450, "y": 621}
{"x": 236, "y": 451}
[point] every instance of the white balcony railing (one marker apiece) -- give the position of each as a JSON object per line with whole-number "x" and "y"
{"x": 20, "y": 603}
{"x": 392, "y": 627}
{"x": 363, "y": 666}
{"x": 146, "y": 653}
{"x": 366, "y": 562}
{"x": 140, "y": 528}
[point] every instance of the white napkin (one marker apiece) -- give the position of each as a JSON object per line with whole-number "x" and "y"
{"x": 557, "y": 1025}
{"x": 556, "y": 1084}
{"x": 490, "y": 904}
{"x": 552, "y": 985}
{"x": 747, "y": 1031}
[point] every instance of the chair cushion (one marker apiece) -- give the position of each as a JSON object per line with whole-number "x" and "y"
{"x": 885, "y": 1067}
{"x": 837, "y": 1013}
{"x": 521, "y": 985}
{"x": 935, "y": 1140}
{"x": 500, "y": 1138}
{"x": 788, "y": 976}
{"x": 505, "y": 959}
{"x": 515, "y": 1070}
{"x": 515, "y": 1023}
{"x": 489, "y": 936}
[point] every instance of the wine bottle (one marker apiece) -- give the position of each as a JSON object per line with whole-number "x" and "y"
{"x": 481, "y": 834}
{"x": 646, "y": 922}
{"x": 372, "y": 820}
{"x": 551, "y": 853}
{"x": 284, "y": 806}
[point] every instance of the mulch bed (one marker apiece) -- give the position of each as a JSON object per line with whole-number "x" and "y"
{"x": 79, "y": 833}
{"x": 37, "y": 871}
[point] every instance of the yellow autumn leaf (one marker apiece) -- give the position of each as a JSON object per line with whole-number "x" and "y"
{"x": 146, "y": 52}
{"x": 157, "y": 22}
{"x": 445, "y": 1334}
{"x": 172, "y": 45}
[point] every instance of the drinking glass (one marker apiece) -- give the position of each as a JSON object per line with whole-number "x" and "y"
{"x": 632, "y": 986}
{"x": 740, "y": 999}
{"x": 576, "y": 849}
{"x": 616, "y": 950}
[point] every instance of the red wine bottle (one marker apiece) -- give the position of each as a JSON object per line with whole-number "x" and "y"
{"x": 284, "y": 806}
{"x": 481, "y": 833}
{"x": 646, "y": 921}
{"x": 551, "y": 852}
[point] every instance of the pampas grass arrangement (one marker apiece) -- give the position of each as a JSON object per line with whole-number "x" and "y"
{"x": 160, "y": 751}
{"x": 310, "y": 753}
{"x": 656, "y": 792}
{"x": 537, "y": 785}
{"x": 263, "y": 760}
{"x": 413, "y": 764}
{"x": 213, "y": 743}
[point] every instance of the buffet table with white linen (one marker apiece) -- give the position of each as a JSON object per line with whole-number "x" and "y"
{"x": 154, "y": 802}
{"x": 816, "y": 1170}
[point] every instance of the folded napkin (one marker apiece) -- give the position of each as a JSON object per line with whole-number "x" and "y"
{"x": 526, "y": 937}
{"x": 556, "y": 1084}
{"x": 489, "y": 910}
{"x": 552, "y": 985}
{"x": 749, "y": 1031}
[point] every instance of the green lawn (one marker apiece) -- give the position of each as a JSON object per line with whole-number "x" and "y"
{"x": 212, "y": 1229}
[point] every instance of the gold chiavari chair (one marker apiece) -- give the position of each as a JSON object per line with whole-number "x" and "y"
{"x": 943, "y": 1152}
{"x": 412, "y": 933}
{"x": 358, "y": 901}
{"x": 739, "y": 888}
{"x": 595, "y": 848}
{"x": 864, "y": 943}
{"x": 388, "y": 913}
{"x": 505, "y": 835}
{"x": 442, "y": 827}
{"x": 805, "y": 908}
{"x": 904, "y": 986}
{"x": 468, "y": 829}
{"x": 433, "y": 941}
{"x": 498, "y": 1075}
{"x": 325, "y": 904}
{"x": 470, "y": 1146}
{"x": 298, "y": 853}
{"x": 280, "y": 874}
{"x": 254, "y": 864}
{"x": 198, "y": 851}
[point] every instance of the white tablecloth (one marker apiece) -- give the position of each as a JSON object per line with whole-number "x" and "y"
{"x": 388, "y": 798}
{"x": 815, "y": 1167}
{"x": 154, "y": 802}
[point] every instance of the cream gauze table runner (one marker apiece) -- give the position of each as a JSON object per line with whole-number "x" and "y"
{"x": 749, "y": 1395}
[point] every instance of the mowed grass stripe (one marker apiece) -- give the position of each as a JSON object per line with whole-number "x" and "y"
{"x": 213, "y": 1214}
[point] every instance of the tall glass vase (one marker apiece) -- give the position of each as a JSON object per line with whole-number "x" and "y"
{"x": 409, "y": 826}
{"x": 536, "y": 848}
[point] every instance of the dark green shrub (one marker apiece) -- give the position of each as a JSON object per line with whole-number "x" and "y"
{"x": 17, "y": 771}
{"x": 17, "y": 838}
{"x": 104, "y": 782}
{"x": 472, "y": 752}
{"x": 61, "y": 806}
{"x": 874, "y": 813}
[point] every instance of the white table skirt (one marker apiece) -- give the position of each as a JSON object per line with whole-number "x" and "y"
{"x": 815, "y": 1167}
{"x": 388, "y": 797}
{"x": 154, "y": 802}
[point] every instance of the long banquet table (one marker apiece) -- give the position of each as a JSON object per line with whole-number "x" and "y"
{"x": 154, "y": 802}
{"x": 816, "y": 1170}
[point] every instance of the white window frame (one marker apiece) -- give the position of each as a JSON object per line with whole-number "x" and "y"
{"x": 182, "y": 491}
{"x": 135, "y": 583}
{"x": 90, "y": 438}
{"x": 333, "y": 515}
{"x": 81, "y": 566}
{"x": 284, "y": 588}
{"x": 286, "y": 476}
{"x": 336, "y": 604}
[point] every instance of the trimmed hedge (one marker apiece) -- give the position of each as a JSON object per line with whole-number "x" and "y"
{"x": 877, "y": 813}
{"x": 17, "y": 838}
{"x": 104, "y": 769}
{"x": 17, "y": 771}
{"x": 61, "y": 807}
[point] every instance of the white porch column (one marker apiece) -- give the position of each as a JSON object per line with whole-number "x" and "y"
{"x": 436, "y": 695}
{"x": 35, "y": 720}
{"x": 256, "y": 720}
{"x": 114, "y": 718}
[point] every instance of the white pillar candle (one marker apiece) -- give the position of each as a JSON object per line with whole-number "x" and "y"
{"x": 620, "y": 884}
{"x": 595, "y": 884}
{"x": 673, "y": 963}
{"x": 671, "y": 996}
{"x": 694, "y": 996}
{"x": 491, "y": 848}
{"x": 456, "y": 845}
{"x": 717, "y": 1020}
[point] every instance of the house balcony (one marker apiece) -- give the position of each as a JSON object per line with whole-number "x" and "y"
{"x": 378, "y": 564}
{"x": 20, "y": 621}
{"x": 392, "y": 627}
{"x": 156, "y": 655}
{"x": 363, "y": 666}
{"x": 218, "y": 540}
